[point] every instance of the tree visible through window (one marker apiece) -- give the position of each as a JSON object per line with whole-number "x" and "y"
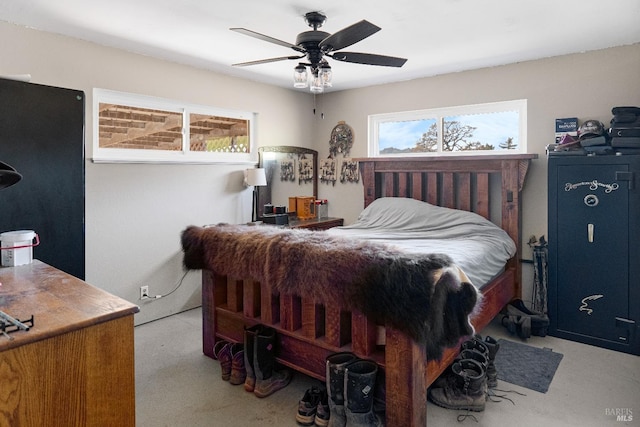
{"x": 485, "y": 128}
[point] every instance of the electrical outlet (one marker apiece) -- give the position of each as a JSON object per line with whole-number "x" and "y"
{"x": 144, "y": 292}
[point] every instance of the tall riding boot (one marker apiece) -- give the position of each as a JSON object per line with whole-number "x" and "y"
{"x": 492, "y": 372}
{"x": 359, "y": 385}
{"x": 249, "y": 346}
{"x": 466, "y": 390}
{"x": 335, "y": 387}
{"x": 268, "y": 379}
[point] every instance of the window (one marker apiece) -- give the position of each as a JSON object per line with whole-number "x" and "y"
{"x": 136, "y": 128}
{"x": 494, "y": 128}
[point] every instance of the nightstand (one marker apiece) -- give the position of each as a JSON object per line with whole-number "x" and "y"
{"x": 316, "y": 223}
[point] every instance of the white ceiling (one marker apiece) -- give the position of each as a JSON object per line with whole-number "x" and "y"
{"x": 437, "y": 36}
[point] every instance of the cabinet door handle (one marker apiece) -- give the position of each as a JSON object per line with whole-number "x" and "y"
{"x": 590, "y": 232}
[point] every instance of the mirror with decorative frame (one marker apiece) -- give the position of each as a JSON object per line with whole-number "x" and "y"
{"x": 291, "y": 171}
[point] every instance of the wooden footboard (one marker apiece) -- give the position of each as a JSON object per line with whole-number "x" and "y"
{"x": 309, "y": 332}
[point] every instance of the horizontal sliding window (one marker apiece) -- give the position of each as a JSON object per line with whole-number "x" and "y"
{"x": 493, "y": 128}
{"x": 136, "y": 128}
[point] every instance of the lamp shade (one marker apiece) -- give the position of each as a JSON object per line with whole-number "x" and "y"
{"x": 255, "y": 177}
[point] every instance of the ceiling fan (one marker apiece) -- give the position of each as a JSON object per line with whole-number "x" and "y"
{"x": 315, "y": 45}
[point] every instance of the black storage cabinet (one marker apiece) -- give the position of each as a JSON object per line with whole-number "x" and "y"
{"x": 594, "y": 250}
{"x": 42, "y": 137}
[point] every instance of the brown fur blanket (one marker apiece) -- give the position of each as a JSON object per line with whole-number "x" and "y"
{"x": 423, "y": 296}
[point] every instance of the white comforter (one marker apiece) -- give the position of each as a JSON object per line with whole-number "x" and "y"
{"x": 477, "y": 246}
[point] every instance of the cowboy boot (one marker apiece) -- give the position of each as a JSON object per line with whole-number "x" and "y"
{"x": 359, "y": 386}
{"x": 268, "y": 379}
{"x": 335, "y": 387}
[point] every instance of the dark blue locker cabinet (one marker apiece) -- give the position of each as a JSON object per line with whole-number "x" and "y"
{"x": 594, "y": 255}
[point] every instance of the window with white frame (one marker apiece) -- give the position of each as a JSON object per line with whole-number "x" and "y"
{"x": 137, "y": 128}
{"x": 492, "y": 128}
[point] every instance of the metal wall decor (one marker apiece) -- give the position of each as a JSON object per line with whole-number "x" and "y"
{"x": 328, "y": 171}
{"x": 341, "y": 140}
{"x": 349, "y": 172}
{"x": 305, "y": 170}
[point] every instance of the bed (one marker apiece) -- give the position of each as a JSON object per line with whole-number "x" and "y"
{"x": 311, "y": 327}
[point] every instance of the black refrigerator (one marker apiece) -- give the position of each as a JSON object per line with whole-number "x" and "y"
{"x": 42, "y": 137}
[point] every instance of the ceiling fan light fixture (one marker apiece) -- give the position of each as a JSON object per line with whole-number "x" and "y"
{"x": 315, "y": 45}
{"x": 300, "y": 77}
{"x": 316, "y": 83}
{"x": 325, "y": 74}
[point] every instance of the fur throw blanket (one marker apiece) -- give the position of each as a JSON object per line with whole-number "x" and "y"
{"x": 426, "y": 297}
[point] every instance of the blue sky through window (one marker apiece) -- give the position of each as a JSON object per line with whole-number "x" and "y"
{"x": 402, "y": 135}
{"x": 491, "y": 128}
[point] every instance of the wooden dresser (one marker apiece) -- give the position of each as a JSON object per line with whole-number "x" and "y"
{"x": 75, "y": 366}
{"x": 316, "y": 223}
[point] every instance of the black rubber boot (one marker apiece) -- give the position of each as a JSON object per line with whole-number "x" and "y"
{"x": 492, "y": 372}
{"x": 335, "y": 387}
{"x": 359, "y": 386}
{"x": 268, "y": 379}
{"x": 249, "y": 346}
{"x": 466, "y": 390}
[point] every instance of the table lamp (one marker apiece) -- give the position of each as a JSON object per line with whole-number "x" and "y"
{"x": 254, "y": 178}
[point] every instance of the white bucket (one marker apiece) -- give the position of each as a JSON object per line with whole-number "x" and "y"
{"x": 17, "y": 247}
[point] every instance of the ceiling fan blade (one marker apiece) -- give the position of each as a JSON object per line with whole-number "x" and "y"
{"x": 348, "y": 36}
{"x": 266, "y": 38}
{"x": 266, "y": 61}
{"x": 368, "y": 59}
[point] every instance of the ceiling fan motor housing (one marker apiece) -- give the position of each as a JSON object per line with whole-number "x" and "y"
{"x": 309, "y": 41}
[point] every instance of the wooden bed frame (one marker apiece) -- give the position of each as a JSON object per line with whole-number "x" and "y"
{"x": 309, "y": 332}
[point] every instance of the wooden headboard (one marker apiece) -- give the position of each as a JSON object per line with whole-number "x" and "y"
{"x": 470, "y": 183}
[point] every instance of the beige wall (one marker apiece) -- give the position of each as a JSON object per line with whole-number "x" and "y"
{"x": 134, "y": 213}
{"x": 584, "y": 85}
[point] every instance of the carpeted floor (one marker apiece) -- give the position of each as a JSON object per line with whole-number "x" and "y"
{"x": 177, "y": 386}
{"x": 526, "y": 366}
